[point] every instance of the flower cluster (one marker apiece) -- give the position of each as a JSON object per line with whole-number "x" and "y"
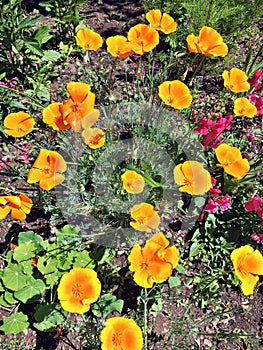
{"x": 255, "y": 204}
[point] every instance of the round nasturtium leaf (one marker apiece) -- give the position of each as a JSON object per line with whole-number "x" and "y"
{"x": 13, "y": 277}
{"x": 15, "y": 323}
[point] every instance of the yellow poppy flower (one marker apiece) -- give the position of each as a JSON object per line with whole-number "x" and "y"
{"x": 18, "y": 205}
{"x": 46, "y": 169}
{"x": 132, "y": 181}
{"x": 145, "y": 216}
{"x": 18, "y": 124}
{"x": 121, "y": 333}
{"x": 209, "y": 43}
{"x": 162, "y": 22}
{"x": 93, "y": 137}
{"x": 142, "y": 38}
{"x": 192, "y": 177}
{"x": 154, "y": 262}
{"x": 77, "y": 289}
{"x": 53, "y": 117}
{"x": 119, "y": 46}
{"x": 248, "y": 264}
{"x": 243, "y": 107}
{"x": 175, "y": 93}
{"x": 88, "y": 39}
{"x": 236, "y": 80}
{"x": 230, "y": 158}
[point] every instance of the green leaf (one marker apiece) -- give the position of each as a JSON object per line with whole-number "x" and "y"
{"x": 67, "y": 235}
{"x": 48, "y": 316}
{"x": 24, "y": 251}
{"x": 34, "y": 48}
{"x": 33, "y": 287}
{"x": 13, "y": 277}
{"x": 65, "y": 260}
{"x": 3, "y": 302}
{"x": 107, "y": 304}
{"x": 195, "y": 249}
{"x": 28, "y": 22}
{"x": 83, "y": 259}
{"x": 52, "y": 278}
{"x": 51, "y": 55}
{"x": 47, "y": 264}
{"x": 174, "y": 281}
{"x": 181, "y": 269}
{"x": 31, "y": 236}
{"x": 42, "y": 35}
{"x": 16, "y": 323}
{"x": 199, "y": 201}
{"x": 9, "y": 298}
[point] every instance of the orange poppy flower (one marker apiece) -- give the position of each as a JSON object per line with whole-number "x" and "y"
{"x": 230, "y": 158}
{"x": 143, "y": 38}
{"x": 242, "y": 107}
{"x": 193, "y": 178}
{"x": 119, "y": 46}
{"x": 93, "y": 137}
{"x": 18, "y": 124}
{"x": 18, "y": 205}
{"x": 79, "y": 105}
{"x": 52, "y": 116}
{"x": 236, "y": 80}
{"x": 121, "y": 333}
{"x": 248, "y": 264}
{"x": 209, "y": 42}
{"x": 46, "y": 169}
{"x": 132, "y": 182}
{"x": 77, "y": 289}
{"x": 175, "y": 93}
{"x": 88, "y": 39}
{"x": 163, "y": 23}
{"x": 154, "y": 262}
{"x": 145, "y": 216}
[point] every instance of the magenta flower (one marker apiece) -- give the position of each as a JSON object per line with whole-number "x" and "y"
{"x": 255, "y": 204}
{"x": 257, "y": 101}
{"x": 257, "y": 237}
{"x": 256, "y": 80}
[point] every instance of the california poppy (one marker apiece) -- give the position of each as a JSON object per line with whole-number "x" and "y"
{"x": 119, "y": 46}
{"x": 230, "y": 158}
{"x": 236, "y": 80}
{"x": 175, "y": 93}
{"x": 18, "y": 205}
{"x": 154, "y": 262}
{"x": 132, "y": 182}
{"x": 88, "y": 39}
{"x": 77, "y": 289}
{"x": 93, "y": 137}
{"x": 209, "y": 42}
{"x": 162, "y": 22}
{"x": 46, "y": 169}
{"x": 18, "y": 124}
{"x": 143, "y": 38}
{"x": 145, "y": 216}
{"x": 192, "y": 177}
{"x": 248, "y": 264}
{"x": 242, "y": 107}
{"x": 121, "y": 333}
{"x": 53, "y": 117}
{"x": 78, "y": 105}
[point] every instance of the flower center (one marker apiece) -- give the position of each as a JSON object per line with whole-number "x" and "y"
{"x": 96, "y": 139}
{"x": 141, "y": 219}
{"x": 77, "y": 291}
{"x": 144, "y": 265}
{"x": 46, "y": 171}
{"x": 75, "y": 107}
{"x": 116, "y": 339}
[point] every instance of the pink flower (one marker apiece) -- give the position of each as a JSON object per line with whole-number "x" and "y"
{"x": 257, "y": 237}
{"x": 256, "y": 79}
{"x": 257, "y": 101}
{"x": 211, "y": 206}
{"x": 212, "y": 129}
{"x": 214, "y": 191}
{"x": 24, "y": 157}
{"x": 224, "y": 202}
{"x": 253, "y": 204}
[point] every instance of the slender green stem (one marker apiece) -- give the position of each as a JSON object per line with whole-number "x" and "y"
{"x": 145, "y": 323}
